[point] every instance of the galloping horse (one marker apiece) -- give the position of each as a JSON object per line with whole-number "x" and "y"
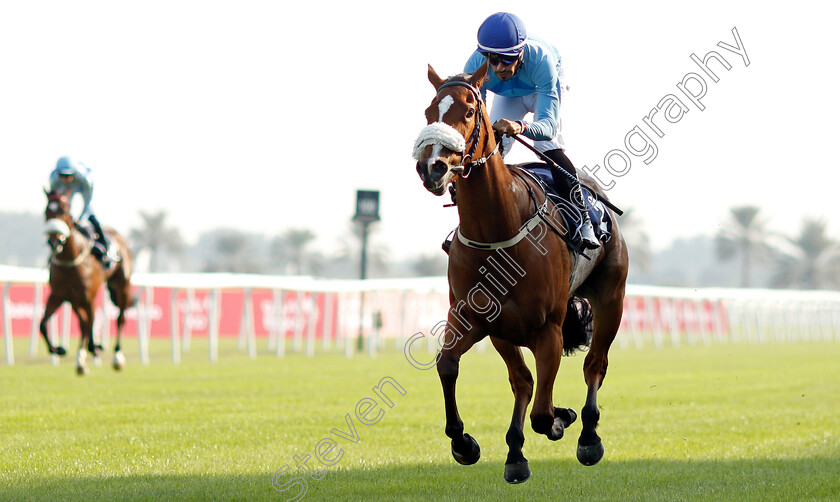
{"x": 512, "y": 277}
{"x": 76, "y": 275}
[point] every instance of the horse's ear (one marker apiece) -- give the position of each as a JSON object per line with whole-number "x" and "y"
{"x": 477, "y": 78}
{"x": 434, "y": 78}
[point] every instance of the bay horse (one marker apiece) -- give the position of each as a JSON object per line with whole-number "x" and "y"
{"x": 76, "y": 275}
{"x": 512, "y": 278}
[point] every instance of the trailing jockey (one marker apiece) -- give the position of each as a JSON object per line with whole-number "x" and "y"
{"x": 69, "y": 178}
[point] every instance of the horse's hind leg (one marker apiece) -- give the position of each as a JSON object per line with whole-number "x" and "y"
{"x": 522, "y": 385}
{"x": 53, "y": 302}
{"x": 121, "y": 297}
{"x": 465, "y": 449}
{"x": 607, "y": 320}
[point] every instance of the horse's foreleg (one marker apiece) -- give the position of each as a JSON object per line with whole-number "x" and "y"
{"x": 52, "y": 305}
{"x": 522, "y": 385}
{"x": 547, "y": 353}
{"x": 607, "y": 320}
{"x": 465, "y": 449}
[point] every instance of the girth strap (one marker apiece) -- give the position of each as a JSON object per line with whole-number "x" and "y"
{"x": 529, "y": 225}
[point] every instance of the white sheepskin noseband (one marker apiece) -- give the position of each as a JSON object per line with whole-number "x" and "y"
{"x": 439, "y": 133}
{"x": 56, "y": 226}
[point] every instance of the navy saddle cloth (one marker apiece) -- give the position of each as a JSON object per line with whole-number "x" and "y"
{"x": 598, "y": 214}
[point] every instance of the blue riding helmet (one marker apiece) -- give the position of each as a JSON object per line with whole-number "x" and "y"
{"x": 502, "y": 33}
{"x": 66, "y": 166}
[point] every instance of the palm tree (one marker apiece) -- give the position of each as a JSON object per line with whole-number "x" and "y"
{"x": 350, "y": 251}
{"x": 745, "y": 235}
{"x": 813, "y": 262}
{"x": 157, "y": 237}
{"x": 235, "y": 251}
{"x": 427, "y": 265}
{"x": 290, "y": 250}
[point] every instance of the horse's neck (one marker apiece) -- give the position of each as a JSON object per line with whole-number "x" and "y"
{"x": 75, "y": 245}
{"x": 488, "y": 205}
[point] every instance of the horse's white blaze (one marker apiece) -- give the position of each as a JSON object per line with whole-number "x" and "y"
{"x": 444, "y": 106}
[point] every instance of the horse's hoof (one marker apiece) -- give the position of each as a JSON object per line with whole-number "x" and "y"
{"x": 119, "y": 361}
{"x": 59, "y": 351}
{"x": 590, "y": 455}
{"x": 517, "y": 473}
{"x": 567, "y": 416}
{"x": 557, "y": 430}
{"x": 469, "y": 454}
{"x": 81, "y": 370}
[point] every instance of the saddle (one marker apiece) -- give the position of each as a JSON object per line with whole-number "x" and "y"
{"x": 602, "y": 223}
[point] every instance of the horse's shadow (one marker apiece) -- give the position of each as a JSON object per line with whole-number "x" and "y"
{"x": 648, "y": 480}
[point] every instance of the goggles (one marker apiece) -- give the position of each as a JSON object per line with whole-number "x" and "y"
{"x": 497, "y": 59}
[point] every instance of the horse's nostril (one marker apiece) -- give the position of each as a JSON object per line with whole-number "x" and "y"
{"x": 439, "y": 168}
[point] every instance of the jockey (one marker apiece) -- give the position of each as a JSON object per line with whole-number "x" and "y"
{"x": 527, "y": 77}
{"x": 69, "y": 178}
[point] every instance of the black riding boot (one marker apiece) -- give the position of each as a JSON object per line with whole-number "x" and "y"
{"x": 569, "y": 187}
{"x": 100, "y": 247}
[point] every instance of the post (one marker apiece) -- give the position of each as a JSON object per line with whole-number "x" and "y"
{"x": 213, "y": 324}
{"x": 281, "y": 331}
{"x": 367, "y": 212}
{"x": 310, "y": 327}
{"x": 7, "y": 326}
{"x": 187, "y": 311}
{"x": 36, "y": 307}
{"x": 173, "y": 326}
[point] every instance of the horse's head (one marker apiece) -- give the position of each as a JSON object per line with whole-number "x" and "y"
{"x": 58, "y": 220}
{"x": 455, "y": 119}
{"x": 58, "y": 205}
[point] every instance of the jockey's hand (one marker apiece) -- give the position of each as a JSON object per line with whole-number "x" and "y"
{"x": 508, "y": 127}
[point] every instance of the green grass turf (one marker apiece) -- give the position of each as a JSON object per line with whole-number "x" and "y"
{"x": 724, "y": 422}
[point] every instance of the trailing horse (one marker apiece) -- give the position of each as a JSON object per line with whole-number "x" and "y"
{"x": 75, "y": 277}
{"x": 513, "y": 277}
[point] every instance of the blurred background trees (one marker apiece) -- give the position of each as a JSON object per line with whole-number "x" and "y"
{"x": 162, "y": 244}
{"x": 743, "y": 253}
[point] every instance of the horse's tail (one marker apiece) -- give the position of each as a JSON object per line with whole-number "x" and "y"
{"x": 577, "y": 327}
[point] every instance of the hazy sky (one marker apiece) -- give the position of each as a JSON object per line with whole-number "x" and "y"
{"x": 265, "y": 117}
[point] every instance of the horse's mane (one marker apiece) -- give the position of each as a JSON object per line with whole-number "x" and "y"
{"x": 461, "y": 77}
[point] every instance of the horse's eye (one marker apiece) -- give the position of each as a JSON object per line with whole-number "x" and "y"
{"x": 470, "y": 113}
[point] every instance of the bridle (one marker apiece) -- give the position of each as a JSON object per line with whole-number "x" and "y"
{"x": 465, "y": 168}
{"x": 63, "y": 231}
{"x": 60, "y": 228}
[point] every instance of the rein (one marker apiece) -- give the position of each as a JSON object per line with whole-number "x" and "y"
{"x": 437, "y": 130}
{"x": 541, "y": 215}
{"x": 71, "y": 263}
{"x": 75, "y": 262}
